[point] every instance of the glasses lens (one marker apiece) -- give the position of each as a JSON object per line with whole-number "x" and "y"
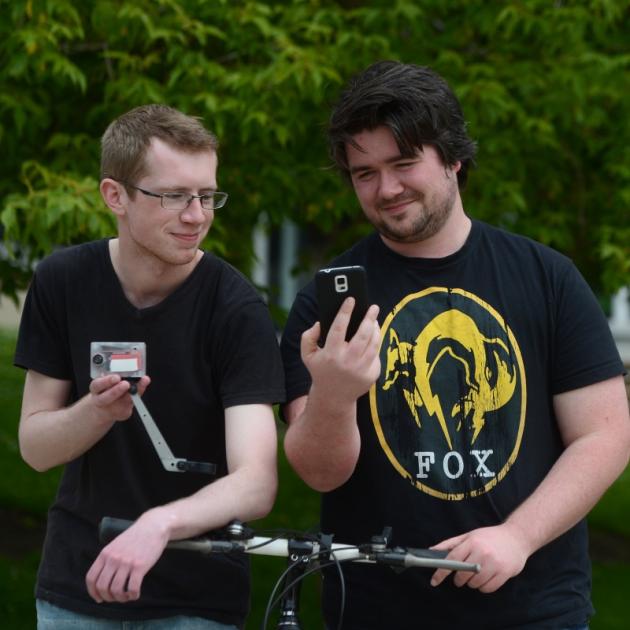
{"x": 208, "y": 202}
{"x": 220, "y": 199}
{"x": 174, "y": 201}
{"x": 213, "y": 201}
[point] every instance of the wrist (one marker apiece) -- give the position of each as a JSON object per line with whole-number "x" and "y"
{"x": 523, "y": 534}
{"x": 99, "y": 416}
{"x": 161, "y": 520}
{"x": 332, "y": 402}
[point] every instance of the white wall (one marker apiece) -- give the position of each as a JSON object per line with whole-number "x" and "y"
{"x": 620, "y": 322}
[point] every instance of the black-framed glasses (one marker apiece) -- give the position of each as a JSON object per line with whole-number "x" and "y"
{"x": 178, "y": 201}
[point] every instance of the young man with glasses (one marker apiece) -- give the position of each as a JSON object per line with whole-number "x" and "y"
{"x": 212, "y": 374}
{"x": 486, "y": 415}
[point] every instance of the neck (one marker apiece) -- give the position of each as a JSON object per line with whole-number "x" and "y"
{"x": 146, "y": 280}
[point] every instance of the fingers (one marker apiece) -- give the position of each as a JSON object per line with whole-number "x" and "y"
{"x": 367, "y": 337}
{"x": 142, "y": 385}
{"x": 490, "y": 578}
{"x": 109, "y": 581}
{"x": 94, "y": 575}
{"x": 449, "y": 543}
{"x": 369, "y": 325}
{"x": 115, "y": 575}
{"x": 492, "y": 585}
{"x": 310, "y": 337}
{"x": 339, "y": 326}
{"x": 456, "y": 552}
{"x": 366, "y": 332}
{"x": 109, "y": 386}
{"x": 366, "y": 344}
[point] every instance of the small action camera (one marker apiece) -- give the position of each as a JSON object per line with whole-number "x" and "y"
{"x": 125, "y": 358}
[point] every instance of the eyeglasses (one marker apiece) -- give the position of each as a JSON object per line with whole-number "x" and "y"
{"x": 178, "y": 201}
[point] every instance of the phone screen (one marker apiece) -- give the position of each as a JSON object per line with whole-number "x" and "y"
{"x": 333, "y": 286}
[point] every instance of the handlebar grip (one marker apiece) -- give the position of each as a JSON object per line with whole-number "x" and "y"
{"x": 431, "y": 554}
{"x": 112, "y": 527}
{"x": 438, "y": 559}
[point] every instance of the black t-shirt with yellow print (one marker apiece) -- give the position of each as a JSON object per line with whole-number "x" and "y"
{"x": 459, "y": 428}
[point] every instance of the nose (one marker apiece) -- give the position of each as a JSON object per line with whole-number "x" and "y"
{"x": 194, "y": 213}
{"x": 390, "y": 185}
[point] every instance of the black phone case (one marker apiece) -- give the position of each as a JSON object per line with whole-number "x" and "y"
{"x": 333, "y": 286}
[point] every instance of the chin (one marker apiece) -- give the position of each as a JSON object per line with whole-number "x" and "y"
{"x": 177, "y": 259}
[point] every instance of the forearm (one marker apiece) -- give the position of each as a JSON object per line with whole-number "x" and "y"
{"x": 51, "y": 438}
{"x": 581, "y": 475}
{"x": 323, "y": 443}
{"x": 246, "y": 494}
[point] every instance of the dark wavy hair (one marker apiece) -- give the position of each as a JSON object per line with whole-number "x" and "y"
{"x": 415, "y": 103}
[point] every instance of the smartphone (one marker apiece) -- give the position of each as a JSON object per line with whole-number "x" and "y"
{"x": 332, "y": 287}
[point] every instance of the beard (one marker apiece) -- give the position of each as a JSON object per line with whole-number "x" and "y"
{"x": 424, "y": 223}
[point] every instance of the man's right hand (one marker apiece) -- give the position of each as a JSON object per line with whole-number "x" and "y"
{"x": 111, "y": 398}
{"x": 342, "y": 371}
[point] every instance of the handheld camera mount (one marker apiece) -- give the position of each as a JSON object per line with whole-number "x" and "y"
{"x": 128, "y": 360}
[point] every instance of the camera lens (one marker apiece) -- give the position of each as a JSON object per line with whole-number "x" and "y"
{"x": 98, "y": 359}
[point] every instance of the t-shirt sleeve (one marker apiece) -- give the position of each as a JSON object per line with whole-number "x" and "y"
{"x": 249, "y": 369}
{"x": 42, "y": 343}
{"x": 584, "y": 349}
{"x": 302, "y": 316}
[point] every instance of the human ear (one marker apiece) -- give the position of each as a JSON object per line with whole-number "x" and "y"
{"x": 114, "y": 195}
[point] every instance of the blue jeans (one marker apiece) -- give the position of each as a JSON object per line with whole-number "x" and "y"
{"x": 50, "y": 617}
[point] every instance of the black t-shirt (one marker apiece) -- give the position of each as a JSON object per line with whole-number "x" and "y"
{"x": 210, "y": 345}
{"x": 459, "y": 428}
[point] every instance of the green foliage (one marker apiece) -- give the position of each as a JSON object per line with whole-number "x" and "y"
{"x": 610, "y": 513}
{"x": 17, "y": 604}
{"x": 610, "y": 596}
{"x": 544, "y": 86}
{"x": 22, "y": 488}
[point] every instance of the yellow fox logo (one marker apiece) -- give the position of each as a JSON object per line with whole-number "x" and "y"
{"x": 489, "y": 377}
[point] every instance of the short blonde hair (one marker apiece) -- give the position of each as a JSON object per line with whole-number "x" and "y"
{"x": 126, "y": 140}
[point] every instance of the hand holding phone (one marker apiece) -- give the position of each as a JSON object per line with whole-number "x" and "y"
{"x": 332, "y": 287}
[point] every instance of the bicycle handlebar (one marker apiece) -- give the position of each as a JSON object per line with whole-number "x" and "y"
{"x": 284, "y": 547}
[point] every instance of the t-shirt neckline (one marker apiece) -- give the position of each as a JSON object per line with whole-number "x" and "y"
{"x": 433, "y": 263}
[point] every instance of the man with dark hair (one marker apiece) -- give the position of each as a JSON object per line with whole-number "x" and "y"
{"x": 487, "y": 413}
{"x": 213, "y": 371}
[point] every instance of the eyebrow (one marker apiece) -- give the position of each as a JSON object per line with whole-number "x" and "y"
{"x": 396, "y": 158}
{"x": 183, "y": 189}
